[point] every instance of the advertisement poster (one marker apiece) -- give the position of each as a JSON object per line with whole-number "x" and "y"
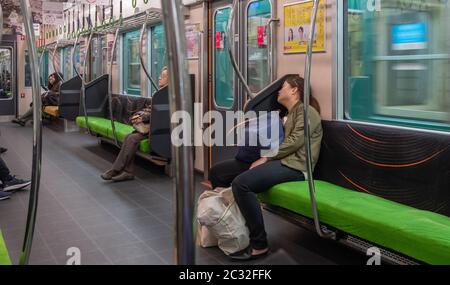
{"x": 297, "y": 21}
{"x": 193, "y": 41}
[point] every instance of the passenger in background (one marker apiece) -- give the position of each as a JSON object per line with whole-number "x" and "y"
{"x": 10, "y": 183}
{"x": 288, "y": 164}
{"x": 123, "y": 166}
{"x": 49, "y": 98}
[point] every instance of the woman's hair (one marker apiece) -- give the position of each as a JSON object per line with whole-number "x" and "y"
{"x": 58, "y": 77}
{"x": 299, "y": 82}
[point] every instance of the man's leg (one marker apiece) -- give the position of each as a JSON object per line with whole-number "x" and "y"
{"x": 125, "y": 161}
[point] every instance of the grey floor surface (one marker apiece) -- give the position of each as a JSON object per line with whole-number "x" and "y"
{"x": 120, "y": 223}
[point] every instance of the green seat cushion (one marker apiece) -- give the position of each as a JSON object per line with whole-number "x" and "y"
{"x": 420, "y": 234}
{"x": 96, "y": 124}
{"x": 103, "y": 127}
{"x": 144, "y": 146}
{"x": 4, "y": 256}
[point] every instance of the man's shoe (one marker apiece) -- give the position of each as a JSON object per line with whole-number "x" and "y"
{"x": 108, "y": 175}
{"x": 4, "y": 195}
{"x": 15, "y": 184}
{"x": 123, "y": 176}
{"x": 19, "y": 121}
{"x": 3, "y": 150}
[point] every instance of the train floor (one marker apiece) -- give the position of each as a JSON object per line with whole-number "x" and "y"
{"x": 120, "y": 223}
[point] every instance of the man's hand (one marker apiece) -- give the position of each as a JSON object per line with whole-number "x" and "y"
{"x": 259, "y": 162}
{"x": 136, "y": 119}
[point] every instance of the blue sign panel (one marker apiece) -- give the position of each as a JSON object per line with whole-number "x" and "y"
{"x": 409, "y": 36}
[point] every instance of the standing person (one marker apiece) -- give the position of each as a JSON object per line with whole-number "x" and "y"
{"x": 49, "y": 98}
{"x": 288, "y": 164}
{"x": 122, "y": 169}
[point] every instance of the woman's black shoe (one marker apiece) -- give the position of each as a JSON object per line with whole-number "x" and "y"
{"x": 246, "y": 254}
{"x": 19, "y": 121}
{"x": 2, "y": 149}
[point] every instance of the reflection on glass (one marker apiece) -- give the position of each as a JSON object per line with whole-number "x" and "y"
{"x": 258, "y": 15}
{"x": 398, "y": 63}
{"x": 223, "y": 72}
{"x": 5, "y": 74}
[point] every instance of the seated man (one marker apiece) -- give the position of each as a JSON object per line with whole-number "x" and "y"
{"x": 122, "y": 168}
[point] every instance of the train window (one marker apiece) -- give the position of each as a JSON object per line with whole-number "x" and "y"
{"x": 5, "y": 74}
{"x": 258, "y": 16}
{"x": 132, "y": 65}
{"x": 397, "y": 63}
{"x": 223, "y": 72}
{"x": 158, "y": 57}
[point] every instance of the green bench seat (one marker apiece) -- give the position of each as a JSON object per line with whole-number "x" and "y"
{"x": 103, "y": 127}
{"x": 423, "y": 235}
{"x": 4, "y": 256}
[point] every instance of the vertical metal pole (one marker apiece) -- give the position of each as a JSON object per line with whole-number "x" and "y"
{"x": 306, "y": 96}
{"x": 111, "y": 115}
{"x": 37, "y": 135}
{"x": 180, "y": 98}
{"x": 141, "y": 51}
{"x": 230, "y": 36}
{"x": 271, "y": 40}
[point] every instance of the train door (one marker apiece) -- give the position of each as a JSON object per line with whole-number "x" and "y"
{"x": 225, "y": 95}
{"x": 251, "y": 50}
{"x": 8, "y": 94}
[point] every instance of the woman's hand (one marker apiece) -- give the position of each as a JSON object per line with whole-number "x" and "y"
{"x": 259, "y": 162}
